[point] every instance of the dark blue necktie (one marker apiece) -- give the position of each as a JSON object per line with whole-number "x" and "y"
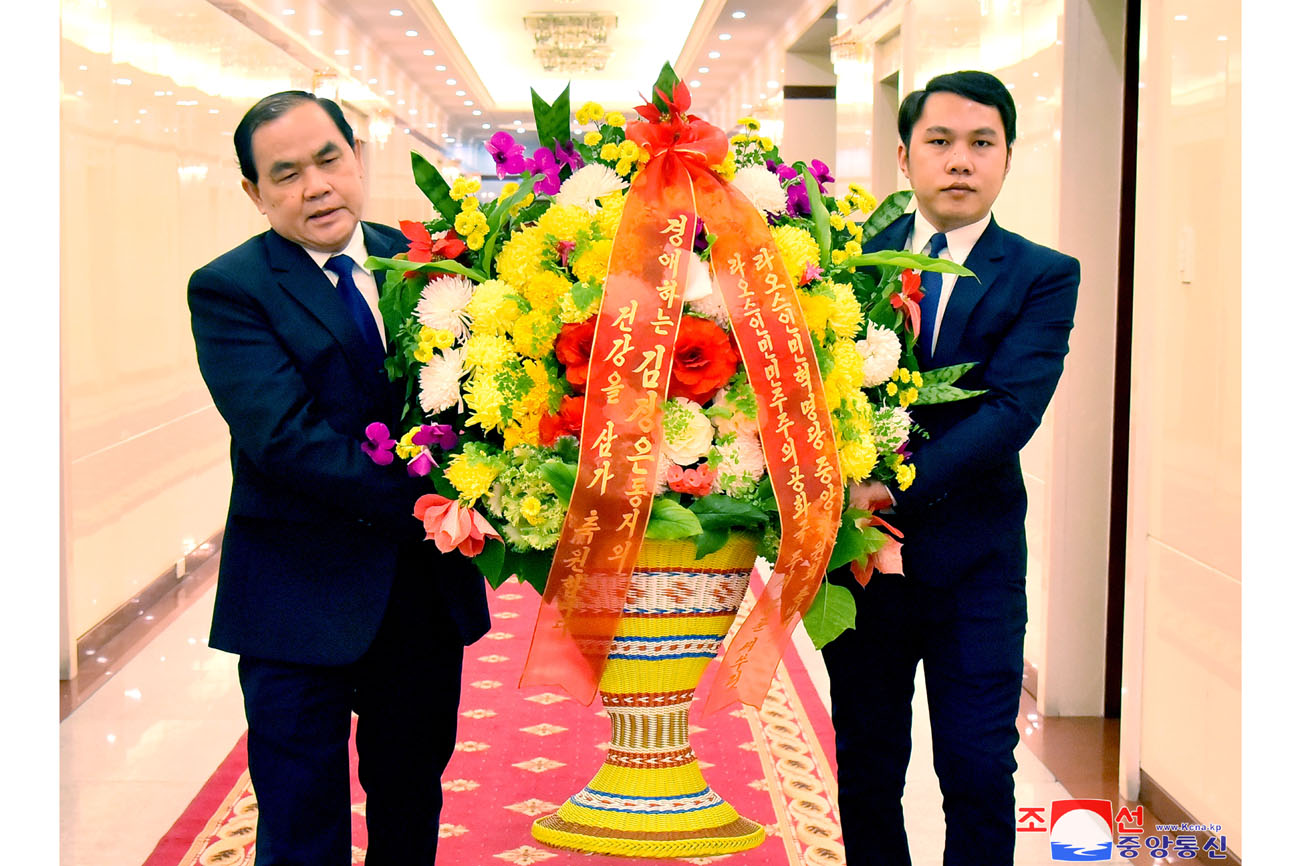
{"x": 356, "y": 304}
{"x": 932, "y": 285}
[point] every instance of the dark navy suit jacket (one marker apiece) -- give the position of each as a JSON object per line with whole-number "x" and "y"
{"x": 964, "y": 516}
{"x": 316, "y": 532}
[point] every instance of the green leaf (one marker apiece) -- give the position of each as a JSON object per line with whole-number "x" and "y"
{"x": 443, "y": 266}
{"x": 916, "y": 261}
{"x": 434, "y": 186}
{"x": 502, "y": 211}
{"x": 490, "y": 560}
{"x": 391, "y": 306}
{"x": 893, "y": 207}
{"x": 764, "y": 495}
{"x": 709, "y": 541}
{"x": 946, "y": 375}
{"x": 562, "y": 476}
{"x": 821, "y": 219}
{"x": 669, "y": 519}
{"x": 722, "y": 513}
{"x": 930, "y": 395}
{"x": 585, "y": 293}
{"x": 532, "y": 567}
{"x": 552, "y": 119}
{"x": 853, "y": 544}
{"x": 665, "y": 84}
{"x": 833, "y": 610}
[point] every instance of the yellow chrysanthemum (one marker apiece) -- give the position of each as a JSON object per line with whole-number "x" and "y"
{"x": 846, "y": 312}
{"x": 488, "y": 353}
{"x": 838, "y": 257}
{"x": 765, "y": 143}
{"x": 590, "y": 112}
{"x": 908, "y": 397}
{"x": 906, "y": 474}
{"x": 535, "y": 333}
{"x": 471, "y": 478}
{"x": 739, "y": 139}
{"x": 476, "y": 240}
{"x": 853, "y": 248}
{"x": 837, "y": 222}
{"x": 484, "y": 400}
{"x": 538, "y": 396}
{"x": 727, "y": 171}
{"x": 834, "y": 397}
{"x": 611, "y": 211}
{"x": 470, "y": 222}
{"x": 848, "y": 364}
{"x": 406, "y": 449}
{"x": 616, "y": 119}
{"x": 591, "y": 139}
{"x": 855, "y": 230}
{"x": 816, "y": 312}
{"x": 624, "y": 166}
{"x": 508, "y": 190}
{"x": 797, "y": 249}
{"x": 531, "y": 509}
{"x": 594, "y": 263}
{"x": 468, "y": 203}
{"x": 857, "y": 459}
{"x": 463, "y": 186}
{"x": 891, "y": 389}
{"x": 628, "y": 149}
{"x": 571, "y": 313}
{"x": 521, "y": 257}
{"x": 545, "y": 289}
{"x": 493, "y": 307}
{"x": 609, "y": 151}
{"x": 747, "y": 122}
{"x": 424, "y": 353}
{"x": 564, "y": 221}
{"x": 917, "y": 380}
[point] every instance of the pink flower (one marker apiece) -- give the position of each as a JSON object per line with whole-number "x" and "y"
{"x": 379, "y": 444}
{"x": 696, "y": 482}
{"x": 453, "y": 527}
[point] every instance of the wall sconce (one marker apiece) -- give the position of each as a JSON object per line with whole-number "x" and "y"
{"x": 325, "y": 84}
{"x": 381, "y": 126}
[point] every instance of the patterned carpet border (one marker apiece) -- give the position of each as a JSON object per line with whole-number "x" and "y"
{"x": 519, "y": 754}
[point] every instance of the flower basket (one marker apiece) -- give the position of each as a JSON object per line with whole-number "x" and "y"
{"x": 649, "y": 798}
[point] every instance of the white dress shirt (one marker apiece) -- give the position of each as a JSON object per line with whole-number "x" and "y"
{"x": 365, "y": 280}
{"x": 960, "y": 242}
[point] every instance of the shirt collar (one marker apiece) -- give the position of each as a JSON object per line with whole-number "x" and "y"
{"x": 960, "y": 240}
{"x": 356, "y": 249}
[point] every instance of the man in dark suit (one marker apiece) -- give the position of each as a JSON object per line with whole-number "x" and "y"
{"x": 327, "y": 591}
{"x": 960, "y": 607}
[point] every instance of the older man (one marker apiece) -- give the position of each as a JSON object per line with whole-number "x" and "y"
{"x": 326, "y": 591}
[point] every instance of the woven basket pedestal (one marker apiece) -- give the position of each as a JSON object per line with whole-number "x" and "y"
{"x": 649, "y": 799}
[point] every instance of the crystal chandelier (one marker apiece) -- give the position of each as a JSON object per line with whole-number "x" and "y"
{"x": 571, "y": 41}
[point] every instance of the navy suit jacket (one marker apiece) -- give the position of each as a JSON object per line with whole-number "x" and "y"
{"x": 316, "y": 532}
{"x": 964, "y": 516}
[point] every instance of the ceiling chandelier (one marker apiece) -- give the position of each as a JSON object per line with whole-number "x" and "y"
{"x": 571, "y": 41}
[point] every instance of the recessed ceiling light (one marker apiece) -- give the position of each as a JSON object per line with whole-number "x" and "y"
{"x": 341, "y": 52}
{"x": 1180, "y": 17}
{"x": 187, "y": 102}
{"x": 469, "y": 102}
{"x": 762, "y": 96}
{"x": 286, "y": 11}
{"x": 430, "y": 125}
{"x": 737, "y": 14}
{"x": 773, "y": 85}
{"x": 396, "y": 13}
{"x": 1223, "y": 39}
{"x": 695, "y": 83}
{"x": 214, "y": 111}
{"x": 428, "y": 52}
{"x": 840, "y": 16}
{"x": 413, "y": 33}
{"x": 714, "y": 55}
{"x": 144, "y": 111}
{"x": 477, "y": 112}
{"x": 460, "y": 93}
{"x": 451, "y": 82}
{"x": 121, "y": 81}
{"x": 415, "y": 111}
{"x": 389, "y": 92}
{"x": 372, "y": 81}
{"x": 83, "y": 68}
{"x": 746, "y": 106}
{"x": 487, "y": 126}
{"x": 401, "y": 102}
{"x": 160, "y": 93}
{"x": 406, "y": 130}
{"x": 315, "y": 32}
{"x": 724, "y": 36}
{"x": 440, "y": 68}
{"x": 356, "y": 68}
{"x": 704, "y": 70}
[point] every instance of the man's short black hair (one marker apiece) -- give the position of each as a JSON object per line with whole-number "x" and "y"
{"x": 269, "y": 108}
{"x": 978, "y": 87}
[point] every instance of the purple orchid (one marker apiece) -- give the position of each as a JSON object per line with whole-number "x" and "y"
{"x": 821, "y": 173}
{"x": 701, "y": 237}
{"x": 567, "y": 154}
{"x": 543, "y": 163}
{"x": 421, "y": 464}
{"x": 796, "y": 195}
{"x": 507, "y": 153}
{"x": 442, "y": 435}
{"x": 379, "y": 444}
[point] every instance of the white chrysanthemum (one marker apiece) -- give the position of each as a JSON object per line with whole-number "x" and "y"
{"x": 661, "y": 476}
{"x": 880, "y": 352}
{"x": 440, "y": 381}
{"x": 688, "y": 433}
{"x": 737, "y": 422}
{"x": 588, "y": 184}
{"x": 890, "y": 427}
{"x": 739, "y": 464}
{"x": 442, "y": 305}
{"x": 699, "y": 280}
{"x": 761, "y": 187}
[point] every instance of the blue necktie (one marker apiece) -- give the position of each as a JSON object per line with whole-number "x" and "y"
{"x": 356, "y": 304}
{"x": 932, "y": 285}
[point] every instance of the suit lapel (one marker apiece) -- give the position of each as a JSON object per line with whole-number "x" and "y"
{"x": 985, "y": 260}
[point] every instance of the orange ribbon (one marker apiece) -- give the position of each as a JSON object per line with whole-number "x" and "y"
{"x": 631, "y": 364}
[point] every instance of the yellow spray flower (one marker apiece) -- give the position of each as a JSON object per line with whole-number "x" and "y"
{"x": 590, "y": 112}
{"x": 609, "y": 151}
{"x": 727, "y": 171}
{"x": 616, "y": 119}
{"x": 837, "y": 222}
{"x": 857, "y": 459}
{"x": 471, "y": 477}
{"x": 765, "y": 143}
{"x": 531, "y": 509}
{"x": 610, "y": 213}
{"x": 816, "y": 312}
{"x": 493, "y": 307}
{"x": 545, "y": 289}
{"x": 593, "y": 265}
{"x": 906, "y": 398}
{"x": 521, "y": 257}
{"x": 917, "y": 380}
{"x": 891, "y": 389}
{"x": 488, "y": 353}
{"x": 406, "y": 449}
{"x": 846, "y": 312}
{"x": 747, "y": 122}
{"x": 905, "y": 474}
{"x": 463, "y": 186}
{"x": 535, "y": 333}
{"x": 628, "y": 150}
{"x": 591, "y": 139}
{"x": 564, "y": 221}
{"x": 623, "y": 167}
{"x": 423, "y": 354}
{"x": 468, "y": 203}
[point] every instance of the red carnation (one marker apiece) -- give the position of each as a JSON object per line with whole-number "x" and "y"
{"x": 567, "y": 423}
{"x": 573, "y": 350}
{"x": 703, "y": 360}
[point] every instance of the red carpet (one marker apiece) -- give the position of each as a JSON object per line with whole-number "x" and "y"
{"x": 521, "y": 753}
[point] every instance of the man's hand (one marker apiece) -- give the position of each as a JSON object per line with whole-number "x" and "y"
{"x": 872, "y": 496}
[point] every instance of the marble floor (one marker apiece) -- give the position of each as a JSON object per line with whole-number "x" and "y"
{"x": 134, "y": 753}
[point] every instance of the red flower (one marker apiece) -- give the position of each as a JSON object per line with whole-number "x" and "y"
{"x": 567, "y": 423}
{"x": 908, "y": 299}
{"x": 703, "y": 360}
{"x": 696, "y": 482}
{"x": 573, "y": 350}
{"x": 425, "y": 249}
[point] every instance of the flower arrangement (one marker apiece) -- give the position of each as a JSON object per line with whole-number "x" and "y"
{"x": 492, "y": 315}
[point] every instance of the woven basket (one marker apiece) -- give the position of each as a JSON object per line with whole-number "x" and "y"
{"x": 650, "y": 798}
